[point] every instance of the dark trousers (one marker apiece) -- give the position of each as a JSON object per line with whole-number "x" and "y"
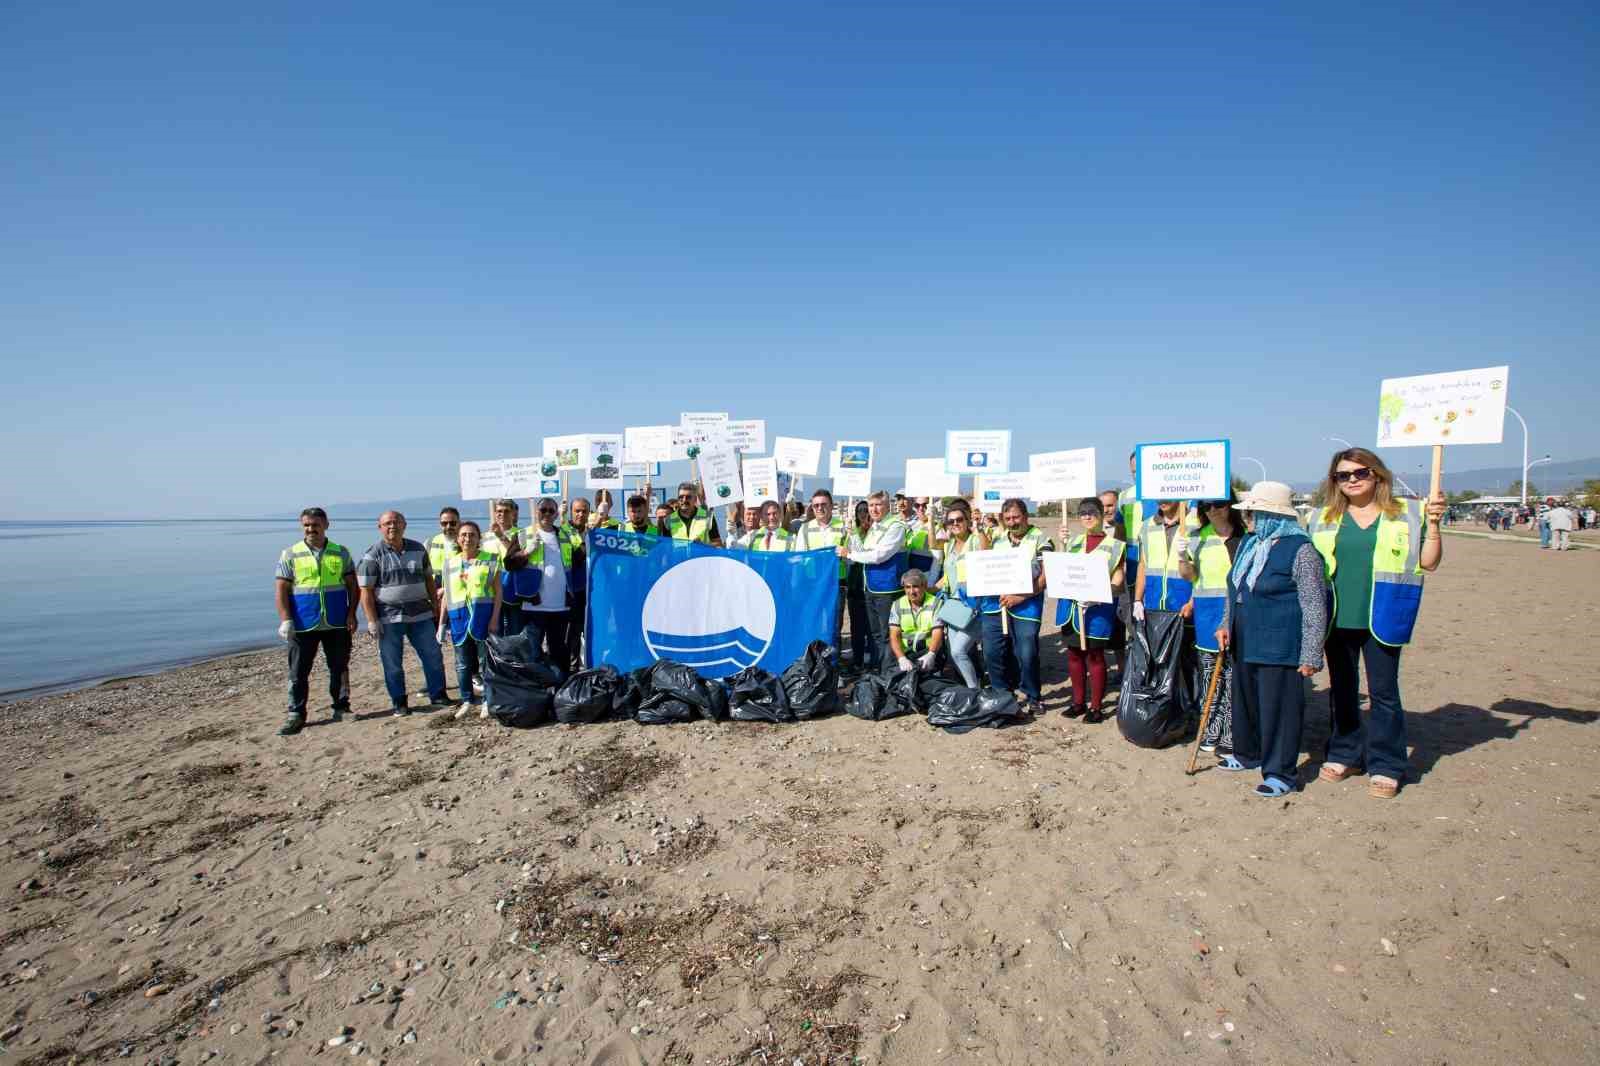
{"x": 1012, "y": 661}
{"x": 469, "y": 665}
{"x": 548, "y": 629}
{"x": 335, "y": 645}
{"x": 1269, "y": 709}
{"x": 510, "y": 619}
{"x": 577, "y": 614}
{"x": 1379, "y": 743}
{"x": 879, "y": 607}
{"x": 860, "y": 635}
{"x": 838, "y": 621}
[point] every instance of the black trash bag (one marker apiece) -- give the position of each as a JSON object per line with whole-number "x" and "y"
{"x": 664, "y": 711}
{"x": 757, "y": 696}
{"x": 960, "y": 709}
{"x": 1158, "y": 697}
{"x": 625, "y": 700}
{"x": 868, "y": 699}
{"x": 903, "y": 690}
{"x": 716, "y": 707}
{"x": 929, "y": 686}
{"x": 954, "y": 707}
{"x": 812, "y": 682}
{"x": 520, "y": 686}
{"x": 667, "y": 680}
{"x": 587, "y": 696}
{"x": 999, "y": 705}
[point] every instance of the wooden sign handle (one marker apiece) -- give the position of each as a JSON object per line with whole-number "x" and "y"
{"x": 1438, "y": 471}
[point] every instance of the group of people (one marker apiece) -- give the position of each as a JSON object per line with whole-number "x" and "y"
{"x": 1266, "y": 601}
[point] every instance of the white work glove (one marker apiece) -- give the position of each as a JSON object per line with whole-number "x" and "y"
{"x": 285, "y": 631}
{"x": 440, "y": 635}
{"x": 1138, "y": 610}
{"x": 905, "y": 665}
{"x": 926, "y": 662}
{"x": 1180, "y": 544}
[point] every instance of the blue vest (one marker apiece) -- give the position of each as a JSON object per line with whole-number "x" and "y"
{"x": 1267, "y": 620}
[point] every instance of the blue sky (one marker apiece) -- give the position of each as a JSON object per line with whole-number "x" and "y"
{"x": 252, "y": 261}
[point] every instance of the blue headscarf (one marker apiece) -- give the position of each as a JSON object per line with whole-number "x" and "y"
{"x": 1252, "y": 556}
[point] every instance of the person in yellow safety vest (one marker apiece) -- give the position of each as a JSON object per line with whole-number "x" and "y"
{"x": 882, "y": 553}
{"x": 769, "y": 536}
{"x": 316, "y": 595}
{"x": 1376, "y": 549}
{"x": 469, "y": 589}
{"x": 1134, "y": 515}
{"x": 577, "y": 533}
{"x": 824, "y": 529}
{"x": 960, "y": 539}
{"x": 639, "y": 520}
{"x": 1207, "y": 563}
{"x": 506, "y": 537}
{"x": 602, "y": 518}
{"x": 548, "y": 616}
{"x": 690, "y": 521}
{"x": 915, "y": 631}
{"x": 921, "y": 551}
{"x": 443, "y": 543}
{"x": 1086, "y": 664}
{"x": 1161, "y": 585}
{"x": 1011, "y": 623}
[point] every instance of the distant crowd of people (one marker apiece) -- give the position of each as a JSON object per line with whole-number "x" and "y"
{"x": 1266, "y": 599}
{"x": 1555, "y": 518}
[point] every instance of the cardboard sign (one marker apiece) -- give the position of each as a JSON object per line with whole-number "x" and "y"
{"x": 1183, "y": 470}
{"x": 977, "y": 451}
{"x": 605, "y": 462}
{"x": 570, "y": 452}
{"x": 749, "y": 435}
{"x": 522, "y": 477}
{"x": 796, "y": 455}
{"x": 647, "y": 470}
{"x": 549, "y": 486}
{"x": 1065, "y": 475}
{"x": 1080, "y": 576}
{"x": 999, "y": 572}
{"x": 707, "y": 420}
{"x": 852, "y": 469}
{"x": 719, "y": 473}
{"x": 483, "y": 479}
{"x": 926, "y": 477}
{"x": 647, "y": 444}
{"x": 689, "y": 443}
{"x": 1462, "y": 407}
{"x": 760, "y": 482}
{"x": 995, "y": 489}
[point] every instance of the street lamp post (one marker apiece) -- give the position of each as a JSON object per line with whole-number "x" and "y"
{"x": 1258, "y": 462}
{"x": 1527, "y": 466}
{"x": 1524, "y": 422}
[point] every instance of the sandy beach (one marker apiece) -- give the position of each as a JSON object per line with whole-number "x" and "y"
{"x": 183, "y": 886}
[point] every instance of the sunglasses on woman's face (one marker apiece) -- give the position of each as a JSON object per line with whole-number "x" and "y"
{"x": 1360, "y": 473}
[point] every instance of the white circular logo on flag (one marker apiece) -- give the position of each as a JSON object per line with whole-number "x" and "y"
{"x": 711, "y": 613}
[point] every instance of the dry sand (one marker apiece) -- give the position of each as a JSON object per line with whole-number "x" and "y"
{"x": 182, "y": 885}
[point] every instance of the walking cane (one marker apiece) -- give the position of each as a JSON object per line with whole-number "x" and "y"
{"x": 1205, "y": 712}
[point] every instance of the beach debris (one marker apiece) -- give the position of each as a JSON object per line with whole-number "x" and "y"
{"x": 410, "y": 1037}
{"x": 157, "y": 990}
{"x": 1387, "y": 946}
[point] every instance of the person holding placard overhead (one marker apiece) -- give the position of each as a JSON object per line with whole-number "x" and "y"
{"x": 469, "y": 591}
{"x": 882, "y": 555}
{"x": 1376, "y": 548}
{"x": 1086, "y": 629}
{"x": 1207, "y": 563}
{"x": 548, "y": 615}
{"x": 1163, "y": 539}
{"x": 1134, "y": 517}
{"x": 824, "y": 529}
{"x": 509, "y": 544}
{"x": 1011, "y": 623}
{"x": 602, "y": 518}
{"x": 1275, "y": 621}
{"x": 769, "y": 535}
{"x": 960, "y": 614}
{"x": 688, "y": 520}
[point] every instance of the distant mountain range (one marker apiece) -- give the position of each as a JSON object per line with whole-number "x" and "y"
{"x": 1490, "y": 481}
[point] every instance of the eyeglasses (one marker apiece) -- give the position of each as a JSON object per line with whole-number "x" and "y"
{"x": 1360, "y": 473}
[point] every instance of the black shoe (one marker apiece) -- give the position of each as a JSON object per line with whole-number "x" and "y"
{"x": 1094, "y": 717}
{"x": 1035, "y": 708}
{"x": 292, "y": 725}
{"x": 338, "y": 714}
{"x": 1076, "y": 710}
{"x": 402, "y": 711}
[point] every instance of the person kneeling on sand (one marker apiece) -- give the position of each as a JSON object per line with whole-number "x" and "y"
{"x": 1275, "y": 622}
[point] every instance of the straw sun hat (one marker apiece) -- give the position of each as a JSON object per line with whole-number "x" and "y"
{"x": 1269, "y": 497}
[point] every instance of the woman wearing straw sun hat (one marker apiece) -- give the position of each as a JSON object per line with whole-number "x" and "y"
{"x": 1274, "y": 623}
{"x": 1377, "y": 548}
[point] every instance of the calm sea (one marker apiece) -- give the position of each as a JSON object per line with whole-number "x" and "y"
{"x": 94, "y": 600}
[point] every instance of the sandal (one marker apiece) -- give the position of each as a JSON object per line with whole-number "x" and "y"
{"x": 1228, "y": 762}
{"x": 1273, "y": 787}
{"x": 1333, "y": 771}
{"x": 1383, "y": 788}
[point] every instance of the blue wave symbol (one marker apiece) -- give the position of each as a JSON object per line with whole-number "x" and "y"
{"x": 712, "y": 654}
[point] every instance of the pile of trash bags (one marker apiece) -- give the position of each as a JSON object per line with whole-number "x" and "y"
{"x": 1160, "y": 696}
{"x": 948, "y": 704}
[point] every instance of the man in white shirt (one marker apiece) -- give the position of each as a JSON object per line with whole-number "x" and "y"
{"x": 1561, "y": 522}
{"x": 548, "y": 618}
{"x": 882, "y": 552}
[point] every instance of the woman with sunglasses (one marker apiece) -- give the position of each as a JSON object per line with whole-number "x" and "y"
{"x": 1376, "y": 549}
{"x": 1207, "y": 562}
{"x": 1086, "y": 656}
{"x": 961, "y": 539}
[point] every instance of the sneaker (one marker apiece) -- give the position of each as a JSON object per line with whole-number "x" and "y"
{"x": 402, "y": 712}
{"x": 441, "y": 700}
{"x": 463, "y": 710}
{"x": 1035, "y": 708}
{"x": 483, "y": 709}
{"x": 1208, "y": 747}
{"x": 292, "y": 725}
{"x": 338, "y": 715}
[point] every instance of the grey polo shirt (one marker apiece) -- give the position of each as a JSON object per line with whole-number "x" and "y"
{"x": 396, "y": 577}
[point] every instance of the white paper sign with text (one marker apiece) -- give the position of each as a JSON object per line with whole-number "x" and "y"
{"x": 570, "y": 451}
{"x": 999, "y": 572}
{"x": 1080, "y": 576}
{"x": 852, "y": 468}
{"x": 1462, "y": 407}
{"x": 719, "y": 473}
{"x": 483, "y": 479}
{"x": 760, "y": 481}
{"x": 797, "y": 455}
{"x": 1182, "y": 470}
{"x": 712, "y": 420}
{"x": 647, "y": 444}
{"x": 689, "y": 443}
{"x": 995, "y": 489}
{"x": 523, "y": 478}
{"x": 1062, "y": 475}
{"x": 748, "y": 435}
{"x": 604, "y": 470}
{"x": 927, "y": 477}
{"x": 977, "y": 451}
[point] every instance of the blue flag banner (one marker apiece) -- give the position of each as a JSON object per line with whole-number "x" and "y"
{"x": 714, "y": 609}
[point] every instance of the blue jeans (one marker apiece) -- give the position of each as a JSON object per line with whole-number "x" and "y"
{"x": 1012, "y": 661}
{"x": 391, "y": 648}
{"x": 468, "y": 666}
{"x": 1544, "y": 534}
{"x": 1377, "y": 742}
